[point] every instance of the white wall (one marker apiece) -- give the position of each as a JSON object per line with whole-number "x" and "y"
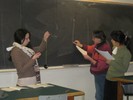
{"x": 73, "y": 77}
{"x": 8, "y": 78}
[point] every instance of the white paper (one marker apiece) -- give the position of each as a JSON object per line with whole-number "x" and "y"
{"x": 39, "y": 85}
{"x": 105, "y": 54}
{"x": 12, "y": 88}
{"x": 81, "y": 50}
{"x": 8, "y": 89}
{"x": 128, "y": 73}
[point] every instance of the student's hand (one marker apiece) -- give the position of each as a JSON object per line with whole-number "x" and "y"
{"x": 108, "y": 61}
{"x": 77, "y": 43}
{"x": 46, "y": 36}
{"x": 36, "y": 56}
{"x": 86, "y": 57}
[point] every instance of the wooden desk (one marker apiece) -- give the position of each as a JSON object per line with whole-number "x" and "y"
{"x": 33, "y": 94}
{"x": 121, "y": 80}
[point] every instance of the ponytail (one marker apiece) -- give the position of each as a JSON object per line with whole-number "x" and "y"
{"x": 120, "y": 37}
{"x": 128, "y": 42}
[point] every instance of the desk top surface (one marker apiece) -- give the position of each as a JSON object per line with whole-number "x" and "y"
{"x": 31, "y": 92}
{"x": 124, "y": 79}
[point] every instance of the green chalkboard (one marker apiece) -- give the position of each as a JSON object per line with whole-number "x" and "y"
{"x": 66, "y": 20}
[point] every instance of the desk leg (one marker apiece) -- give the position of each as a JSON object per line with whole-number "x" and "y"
{"x": 119, "y": 91}
{"x": 70, "y": 98}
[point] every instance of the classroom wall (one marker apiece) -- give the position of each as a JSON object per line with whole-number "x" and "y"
{"x": 71, "y": 76}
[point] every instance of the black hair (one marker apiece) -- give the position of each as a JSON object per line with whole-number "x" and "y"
{"x": 20, "y": 34}
{"x": 121, "y": 38}
{"x": 100, "y": 34}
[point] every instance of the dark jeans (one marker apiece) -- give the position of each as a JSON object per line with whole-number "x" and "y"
{"x": 99, "y": 85}
{"x": 110, "y": 90}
